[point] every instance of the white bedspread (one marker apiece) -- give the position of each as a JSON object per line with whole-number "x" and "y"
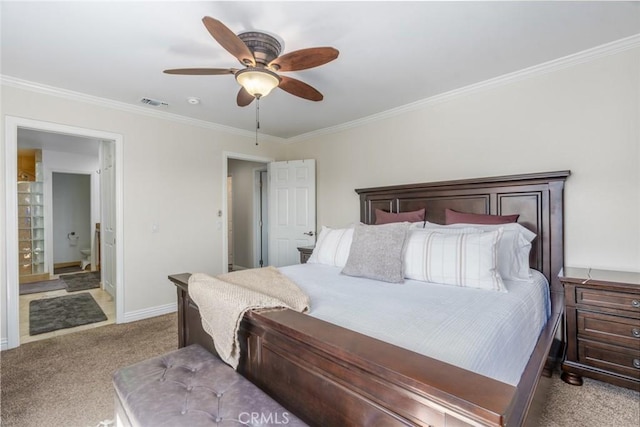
{"x": 490, "y": 333}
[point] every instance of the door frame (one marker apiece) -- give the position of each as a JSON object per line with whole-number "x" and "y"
{"x": 256, "y": 212}
{"x": 12, "y": 124}
{"x": 222, "y": 215}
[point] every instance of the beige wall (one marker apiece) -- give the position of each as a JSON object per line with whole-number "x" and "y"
{"x": 584, "y": 118}
{"x": 172, "y": 177}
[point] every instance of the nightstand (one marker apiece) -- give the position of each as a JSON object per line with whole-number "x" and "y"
{"x": 305, "y": 253}
{"x": 602, "y": 319}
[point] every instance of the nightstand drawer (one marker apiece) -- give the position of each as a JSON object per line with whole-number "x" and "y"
{"x": 609, "y": 329}
{"x": 601, "y": 298}
{"x": 610, "y": 358}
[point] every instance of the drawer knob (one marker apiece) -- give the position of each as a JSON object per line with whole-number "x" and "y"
{"x": 636, "y": 363}
{"x": 635, "y": 303}
{"x": 636, "y": 332}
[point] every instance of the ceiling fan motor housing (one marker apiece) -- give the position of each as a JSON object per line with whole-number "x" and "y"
{"x": 265, "y": 47}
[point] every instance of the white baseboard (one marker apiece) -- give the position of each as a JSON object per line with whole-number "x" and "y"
{"x": 146, "y": 313}
{"x": 238, "y": 267}
{"x": 4, "y": 344}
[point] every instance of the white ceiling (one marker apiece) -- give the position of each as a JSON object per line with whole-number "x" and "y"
{"x": 391, "y": 53}
{"x": 30, "y": 138}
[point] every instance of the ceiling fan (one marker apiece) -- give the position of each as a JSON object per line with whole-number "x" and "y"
{"x": 259, "y": 53}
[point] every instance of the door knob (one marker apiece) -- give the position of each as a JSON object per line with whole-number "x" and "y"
{"x": 309, "y": 233}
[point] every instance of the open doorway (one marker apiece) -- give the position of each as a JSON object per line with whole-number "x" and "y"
{"x": 72, "y": 227}
{"x": 245, "y": 218}
{"x": 14, "y": 127}
{"x": 240, "y": 216}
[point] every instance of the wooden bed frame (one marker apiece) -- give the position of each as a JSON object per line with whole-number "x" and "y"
{"x": 331, "y": 376}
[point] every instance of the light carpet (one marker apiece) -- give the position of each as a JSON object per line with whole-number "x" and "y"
{"x": 66, "y": 380}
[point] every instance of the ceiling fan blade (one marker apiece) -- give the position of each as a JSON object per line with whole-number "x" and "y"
{"x": 298, "y": 88}
{"x": 244, "y": 98}
{"x": 304, "y": 58}
{"x": 201, "y": 71}
{"x": 229, "y": 41}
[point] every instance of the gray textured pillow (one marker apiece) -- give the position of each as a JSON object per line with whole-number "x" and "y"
{"x": 377, "y": 252}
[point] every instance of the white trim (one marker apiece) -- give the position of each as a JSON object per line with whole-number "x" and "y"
{"x": 145, "y": 313}
{"x": 11, "y": 221}
{"x": 123, "y": 106}
{"x": 256, "y": 214}
{"x": 11, "y": 233}
{"x": 527, "y": 73}
{"x": 224, "y": 225}
{"x": 4, "y": 345}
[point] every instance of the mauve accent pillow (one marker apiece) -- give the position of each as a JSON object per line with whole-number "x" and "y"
{"x": 455, "y": 217}
{"x": 377, "y": 252}
{"x": 383, "y": 217}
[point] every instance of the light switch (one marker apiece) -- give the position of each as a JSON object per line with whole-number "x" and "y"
{"x": 155, "y": 228}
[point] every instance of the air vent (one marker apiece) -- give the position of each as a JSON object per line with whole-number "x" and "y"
{"x": 154, "y": 102}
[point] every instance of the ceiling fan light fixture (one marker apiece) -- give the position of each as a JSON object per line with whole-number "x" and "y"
{"x": 258, "y": 82}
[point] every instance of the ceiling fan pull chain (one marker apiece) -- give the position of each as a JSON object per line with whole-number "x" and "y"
{"x": 257, "y": 117}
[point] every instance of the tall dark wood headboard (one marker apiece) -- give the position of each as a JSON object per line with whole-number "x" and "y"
{"x": 537, "y": 198}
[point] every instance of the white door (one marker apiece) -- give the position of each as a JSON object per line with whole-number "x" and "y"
{"x": 292, "y": 209}
{"x": 108, "y": 217}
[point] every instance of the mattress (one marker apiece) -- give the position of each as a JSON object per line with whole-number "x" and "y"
{"x": 486, "y": 332}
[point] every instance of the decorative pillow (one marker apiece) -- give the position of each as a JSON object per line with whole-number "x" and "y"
{"x": 513, "y": 248}
{"x": 377, "y": 252}
{"x": 455, "y": 217}
{"x": 464, "y": 259}
{"x": 383, "y": 217}
{"x": 332, "y": 247}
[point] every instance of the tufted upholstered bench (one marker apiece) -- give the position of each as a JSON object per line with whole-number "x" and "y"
{"x": 191, "y": 387}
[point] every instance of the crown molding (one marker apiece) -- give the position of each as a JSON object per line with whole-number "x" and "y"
{"x": 122, "y": 106}
{"x": 588, "y": 55}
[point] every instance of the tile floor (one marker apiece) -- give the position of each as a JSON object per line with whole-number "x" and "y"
{"x": 104, "y": 300}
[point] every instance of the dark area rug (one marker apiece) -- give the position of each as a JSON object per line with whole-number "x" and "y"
{"x": 51, "y": 314}
{"x": 81, "y": 281}
{"x": 43, "y": 286}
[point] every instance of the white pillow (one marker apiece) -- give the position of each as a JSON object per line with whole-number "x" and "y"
{"x": 513, "y": 248}
{"x": 332, "y": 247}
{"x": 460, "y": 259}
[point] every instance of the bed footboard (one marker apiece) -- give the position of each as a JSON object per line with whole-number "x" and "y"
{"x": 328, "y": 375}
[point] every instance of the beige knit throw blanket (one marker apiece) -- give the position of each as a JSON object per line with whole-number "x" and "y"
{"x": 224, "y": 299}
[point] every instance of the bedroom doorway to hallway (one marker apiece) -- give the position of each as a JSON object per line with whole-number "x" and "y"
{"x": 245, "y": 213}
{"x": 13, "y": 126}
{"x": 284, "y": 220}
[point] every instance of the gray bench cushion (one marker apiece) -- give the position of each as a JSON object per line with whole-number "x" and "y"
{"x": 191, "y": 387}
